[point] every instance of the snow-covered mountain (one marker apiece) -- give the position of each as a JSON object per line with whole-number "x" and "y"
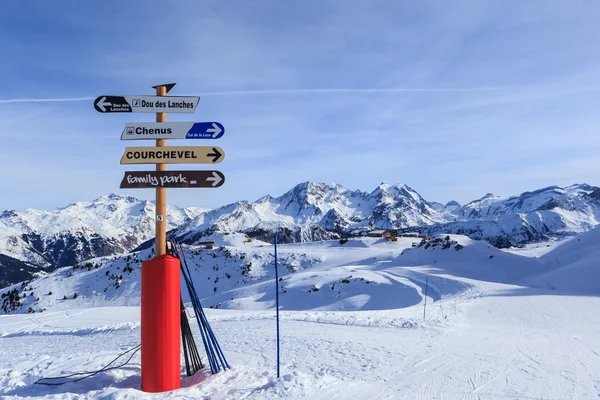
{"x": 369, "y": 274}
{"x": 314, "y": 211}
{"x": 111, "y": 224}
{"x": 531, "y": 216}
{"x": 571, "y": 199}
{"x": 310, "y": 211}
{"x": 447, "y": 210}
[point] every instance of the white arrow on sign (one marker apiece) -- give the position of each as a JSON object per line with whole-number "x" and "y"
{"x": 215, "y": 130}
{"x": 215, "y": 179}
{"x": 102, "y": 103}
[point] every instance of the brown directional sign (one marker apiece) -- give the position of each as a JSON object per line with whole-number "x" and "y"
{"x": 173, "y": 155}
{"x": 172, "y": 179}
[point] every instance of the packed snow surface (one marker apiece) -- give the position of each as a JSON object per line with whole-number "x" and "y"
{"x": 497, "y": 325}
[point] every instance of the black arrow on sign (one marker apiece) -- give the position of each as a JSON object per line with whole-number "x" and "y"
{"x": 216, "y": 155}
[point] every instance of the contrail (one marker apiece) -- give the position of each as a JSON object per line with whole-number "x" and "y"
{"x": 354, "y": 90}
{"x": 3, "y": 101}
{"x": 341, "y": 90}
{"x": 283, "y": 92}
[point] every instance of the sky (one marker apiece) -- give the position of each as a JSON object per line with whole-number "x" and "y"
{"x": 455, "y": 98}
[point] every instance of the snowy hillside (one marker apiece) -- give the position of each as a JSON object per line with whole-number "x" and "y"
{"x": 236, "y": 261}
{"x": 12, "y": 270}
{"x": 573, "y": 267}
{"x": 360, "y": 274}
{"x": 441, "y": 318}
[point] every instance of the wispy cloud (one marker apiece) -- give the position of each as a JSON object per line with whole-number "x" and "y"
{"x": 513, "y": 93}
{"x": 54, "y": 100}
{"x": 286, "y": 92}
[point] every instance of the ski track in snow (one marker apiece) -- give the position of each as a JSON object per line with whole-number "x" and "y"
{"x": 482, "y": 339}
{"x": 501, "y": 347}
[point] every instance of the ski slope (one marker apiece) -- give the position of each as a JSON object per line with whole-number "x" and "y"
{"x": 493, "y": 328}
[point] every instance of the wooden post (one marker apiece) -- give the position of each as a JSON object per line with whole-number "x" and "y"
{"x": 161, "y": 193}
{"x": 160, "y": 312}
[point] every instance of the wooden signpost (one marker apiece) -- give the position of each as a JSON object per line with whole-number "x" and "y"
{"x": 161, "y": 155}
{"x": 160, "y": 293}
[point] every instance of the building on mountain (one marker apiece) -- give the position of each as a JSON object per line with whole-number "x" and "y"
{"x": 382, "y": 233}
{"x": 410, "y": 234}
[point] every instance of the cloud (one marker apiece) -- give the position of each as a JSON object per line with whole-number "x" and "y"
{"x": 281, "y": 92}
{"x": 55, "y": 100}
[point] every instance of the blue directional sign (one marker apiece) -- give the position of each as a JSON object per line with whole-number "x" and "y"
{"x": 172, "y": 130}
{"x": 205, "y": 130}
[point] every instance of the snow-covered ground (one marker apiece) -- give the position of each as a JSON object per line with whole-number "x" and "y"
{"x": 537, "y": 249}
{"x": 497, "y": 326}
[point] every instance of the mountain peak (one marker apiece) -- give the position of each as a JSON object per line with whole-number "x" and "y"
{"x": 116, "y": 197}
{"x": 395, "y": 187}
{"x": 265, "y": 199}
{"x": 322, "y": 187}
{"x": 309, "y": 191}
{"x": 488, "y": 196}
{"x": 397, "y": 192}
{"x": 581, "y": 186}
{"x": 8, "y": 214}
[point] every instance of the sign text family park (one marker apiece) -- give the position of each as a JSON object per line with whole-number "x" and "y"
{"x": 160, "y": 276}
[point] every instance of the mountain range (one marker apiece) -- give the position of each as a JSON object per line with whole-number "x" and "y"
{"x": 35, "y": 240}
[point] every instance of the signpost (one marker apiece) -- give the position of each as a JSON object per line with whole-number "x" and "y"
{"x": 160, "y": 283}
{"x": 173, "y": 155}
{"x": 147, "y": 104}
{"x": 173, "y": 130}
{"x": 172, "y": 179}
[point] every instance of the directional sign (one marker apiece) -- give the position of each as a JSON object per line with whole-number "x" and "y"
{"x": 173, "y": 155}
{"x": 172, "y": 130}
{"x": 172, "y": 179}
{"x": 146, "y": 104}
